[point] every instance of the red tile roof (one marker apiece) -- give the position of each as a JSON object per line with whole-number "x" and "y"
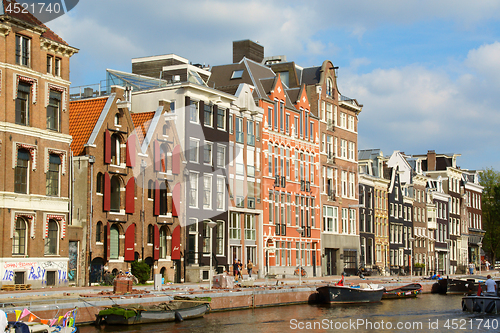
{"x": 83, "y": 116}
{"x": 141, "y": 123}
{"x": 31, "y": 19}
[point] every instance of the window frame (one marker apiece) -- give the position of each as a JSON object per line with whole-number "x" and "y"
{"x": 23, "y": 50}
{"x": 51, "y": 245}
{"x": 52, "y": 178}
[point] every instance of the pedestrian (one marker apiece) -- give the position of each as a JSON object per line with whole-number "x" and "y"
{"x": 240, "y": 268}
{"x": 487, "y": 264}
{"x": 249, "y": 268}
{"x": 235, "y": 270}
{"x": 491, "y": 287}
{"x": 471, "y": 268}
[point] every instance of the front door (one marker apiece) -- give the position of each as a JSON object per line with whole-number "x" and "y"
{"x": 331, "y": 261}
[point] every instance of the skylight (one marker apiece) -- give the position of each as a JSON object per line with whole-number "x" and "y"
{"x": 237, "y": 74}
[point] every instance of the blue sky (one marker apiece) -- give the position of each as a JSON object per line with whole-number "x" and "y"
{"x": 427, "y": 72}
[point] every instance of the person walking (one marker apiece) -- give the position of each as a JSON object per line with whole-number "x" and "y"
{"x": 235, "y": 270}
{"x": 471, "y": 268}
{"x": 487, "y": 264}
{"x": 249, "y": 268}
{"x": 240, "y": 269}
{"x": 491, "y": 287}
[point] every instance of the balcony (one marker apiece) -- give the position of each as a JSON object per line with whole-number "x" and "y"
{"x": 277, "y": 181}
{"x": 332, "y": 195}
{"x": 302, "y": 185}
{"x": 350, "y": 103}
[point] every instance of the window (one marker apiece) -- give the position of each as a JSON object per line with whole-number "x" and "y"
{"x": 343, "y": 148}
{"x": 193, "y": 190}
{"x": 311, "y": 131}
{"x": 250, "y": 163}
{"x": 163, "y": 242}
{"x": 250, "y": 227}
{"x": 350, "y": 125}
{"x": 207, "y": 191}
{"x": 230, "y": 124}
{"x": 54, "y": 110}
{"x": 287, "y": 123}
{"x": 352, "y": 221}
{"x": 296, "y": 127}
{"x": 237, "y": 74}
{"x": 22, "y": 50}
{"x": 22, "y": 104}
{"x": 343, "y": 120}
{"x": 163, "y": 198}
{"x": 221, "y": 182}
{"x": 21, "y": 172}
{"x": 98, "y": 232}
{"x": 52, "y": 177}
{"x": 115, "y": 149}
{"x": 250, "y": 133}
{"x": 193, "y": 112}
{"x": 257, "y": 131}
{"x": 207, "y": 153}
{"x": 219, "y": 238}
{"x": 221, "y": 156}
{"x": 344, "y": 184}
{"x": 330, "y": 219}
{"x": 352, "y": 150}
{"x": 49, "y": 64}
{"x": 208, "y": 116}
{"x": 240, "y": 165}
{"x": 193, "y": 150}
{"x": 114, "y": 242}
{"x": 282, "y": 105}
{"x": 329, "y": 88}
{"x": 19, "y": 238}
{"x": 234, "y": 226}
{"x": 115, "y": 203}
{"x": 221, "y": 118}
{"x": 151, "y": 231}
{"x": 250, "y": 195}
{"x": 239, "y": 193}
{"x": 239, "y": 130}
{"x": 269, "y": 117}
{"x": 57, "y": 67}
{"x": 51, "y": 240}
{"x": 345, "y": 227}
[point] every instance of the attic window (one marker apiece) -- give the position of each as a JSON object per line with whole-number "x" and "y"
{"x": 237, "y": 74}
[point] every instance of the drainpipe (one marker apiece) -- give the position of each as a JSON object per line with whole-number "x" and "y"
{"x": 91, "y": 212}
{"x": 143, "y": 169}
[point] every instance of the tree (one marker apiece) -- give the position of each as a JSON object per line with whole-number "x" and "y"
{"x": 490, "y": 179}
{"x": 141, "y": 270}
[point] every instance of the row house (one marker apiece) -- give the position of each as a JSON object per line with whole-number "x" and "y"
{"x": 367, "y": 220}
{"x": 371, "y": 166}
{"x": 202, "y": 123}
{"x": 288, "y": 162}
{"x": 438, "y": 226}
{"x": 124, "y": 175}
{"x": 40, "y": 246}
{"x": 338, "y": 123}
{"x": 473, "y": 196}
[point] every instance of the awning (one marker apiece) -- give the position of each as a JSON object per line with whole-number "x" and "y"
{"x": 176, "y": 243}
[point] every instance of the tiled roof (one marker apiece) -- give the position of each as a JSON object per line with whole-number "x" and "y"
{"x": 83, "y": 116}
{"x": 30, "y": 19}
{"x": 141, "y": 123}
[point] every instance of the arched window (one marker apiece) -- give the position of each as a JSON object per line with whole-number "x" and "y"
{"x": 163, "y": 242}
{"x": 150, "y": 234}
{"x": 165, "y": 128}
{"x": 19, "y": 239}
{"x": 115, "y": 149}
{"x": 21, "y": 172}
{"x": 98, "y": 232}
{"x": 150, "y": 189}
{"x": 329, "y": 87}
{"x": 117, "y": 119}
{"x": 52, "y": 177}
{"x": 51, "y": 240}
{"x": 114, "y": 242}
{"x": 115, "y": 194}
{"x": 100, "y": 183}
{"x": 163, "y": 157}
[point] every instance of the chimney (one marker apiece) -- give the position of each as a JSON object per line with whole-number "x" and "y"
{"x": 248, "y": 49}
{"x": 431, "y": 160}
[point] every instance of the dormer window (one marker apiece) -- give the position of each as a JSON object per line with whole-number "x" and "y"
{"x": 237, "y": 74}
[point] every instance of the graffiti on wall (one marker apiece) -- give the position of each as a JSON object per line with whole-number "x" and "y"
{"x": 36, "y": 271}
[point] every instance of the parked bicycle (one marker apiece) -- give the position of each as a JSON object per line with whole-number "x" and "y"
{"x": 303, "y": 271}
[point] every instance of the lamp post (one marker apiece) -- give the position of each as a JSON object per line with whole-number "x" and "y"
{"x": 448, "y": 241}
{"x": 211, "y": 225}
{"x": 411, "y": 239}
{"x": 480, "y": 246}
{"x": 300, "y": 230}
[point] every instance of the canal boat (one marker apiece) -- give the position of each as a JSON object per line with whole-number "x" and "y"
{"x": 483, "y": 304}
{"x": 35, "y": 327}
{"x": 456, "y": 286}
{"x": 164, "y": 312}
{"x": 408, "y": 291}
{"x": 339, "y": 294}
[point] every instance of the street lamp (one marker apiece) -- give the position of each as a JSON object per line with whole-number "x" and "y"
{"x": 480, "y": 246}
{"x": 211, "y": 225}
{"x": 300, "y": 230}
{"x": 448, "y": 241}
{"x": 411, "y": 239}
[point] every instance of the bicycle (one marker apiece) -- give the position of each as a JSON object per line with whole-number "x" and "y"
{"x": 303, "y": 271}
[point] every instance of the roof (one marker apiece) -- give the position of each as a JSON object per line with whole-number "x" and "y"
{"x": 311, "y": 75}
{"x": 32, "y": 20}
{"x": 142, "y": 121}
{"x": 83, "y": 116}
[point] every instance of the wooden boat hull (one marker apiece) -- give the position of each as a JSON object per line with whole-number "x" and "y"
{"x": 156, "y": 316}
{"x": 348, "y": 295}
{"x": 483, "y": 304}
{"x": 408, "y": 291}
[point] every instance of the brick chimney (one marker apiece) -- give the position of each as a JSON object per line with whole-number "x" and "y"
{"x": 248, "y": 49}
{"x": 431, "y": 160}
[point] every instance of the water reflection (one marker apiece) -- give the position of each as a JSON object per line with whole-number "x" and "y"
{"x": 423, "y": 314}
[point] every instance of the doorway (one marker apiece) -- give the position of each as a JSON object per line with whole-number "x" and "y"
{"x": 331, "y": 261}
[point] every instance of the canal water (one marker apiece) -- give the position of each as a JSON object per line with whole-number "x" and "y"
{"x": 427, "y": 313}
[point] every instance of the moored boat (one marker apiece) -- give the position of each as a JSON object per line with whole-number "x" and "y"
{"x": 337, "y": 294}
{"x": 165, "y": 312}
{"x": 408, "y": 291}
{"x": 35, "y": 327}
{"x": 484, "y": 304}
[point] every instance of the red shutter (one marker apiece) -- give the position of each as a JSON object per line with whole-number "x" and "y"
{"x": 176, "y": 160}
{"x": 107, "y": 147}
{"x": 108, "y": 240}
{"x": 157, "y": 156}
{"x": 131, "y": 151}
{"x": 129, "y": 243}
{"x": 176, "y": 243}
{"x": 129, "y": 196}
{"x": 156, "y": 243}
{"x": 107, "y": 193}
{"x": 157, "y": 199}
{"x": 176, "y": 200}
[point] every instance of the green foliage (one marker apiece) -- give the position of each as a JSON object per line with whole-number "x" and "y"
{"x": 421, "y": 265}
{"x": 141, "y": 271}
{"x": 490, "y": 179}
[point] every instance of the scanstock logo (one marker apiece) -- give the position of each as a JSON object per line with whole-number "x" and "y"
{"x": 43, "y": 10}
